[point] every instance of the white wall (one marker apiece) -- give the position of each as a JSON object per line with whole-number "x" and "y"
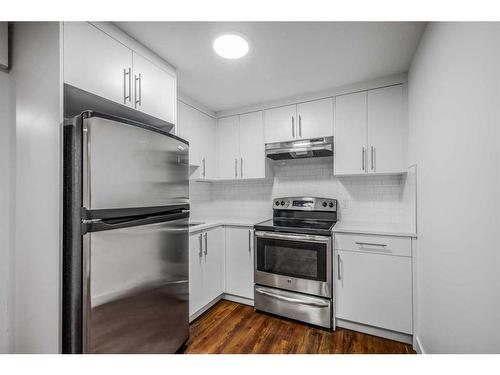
{"x": 35, "y": 77}
{"x": 7, "y": 133}
{"x": 454, "y": 120}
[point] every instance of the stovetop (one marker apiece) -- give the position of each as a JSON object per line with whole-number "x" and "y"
{"x": 302, "y": 226}
{"x": 303, "y": 215}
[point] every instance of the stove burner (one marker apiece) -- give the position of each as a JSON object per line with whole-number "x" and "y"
{"x": 305, "y": 215}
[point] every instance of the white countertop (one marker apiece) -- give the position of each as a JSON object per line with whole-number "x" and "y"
{"x": 373, "y": 228}
{"x": 340, "y": 227}
{"x": 215, "y": 222}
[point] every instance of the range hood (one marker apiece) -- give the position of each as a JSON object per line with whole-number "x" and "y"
{"x": 304, "y": 148}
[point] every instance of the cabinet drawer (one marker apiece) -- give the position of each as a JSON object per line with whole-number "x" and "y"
{"x": 374, "y": 244}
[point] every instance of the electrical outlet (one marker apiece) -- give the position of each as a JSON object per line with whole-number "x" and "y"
{"x": 344, "y": 204}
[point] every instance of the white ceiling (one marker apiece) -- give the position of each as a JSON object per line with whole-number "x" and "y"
{"x": 285, "y": 58}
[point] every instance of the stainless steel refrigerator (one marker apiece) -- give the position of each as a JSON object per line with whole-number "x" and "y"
{"x": 125, "y": 241}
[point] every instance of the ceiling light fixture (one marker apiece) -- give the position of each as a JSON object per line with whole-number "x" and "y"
{"x": 230, "y": 46}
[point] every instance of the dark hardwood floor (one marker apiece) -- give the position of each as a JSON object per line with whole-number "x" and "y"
{"x": 232, "y": 328}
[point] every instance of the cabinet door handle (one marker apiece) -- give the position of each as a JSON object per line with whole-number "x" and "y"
{"x": 339, "y": 277}
{"x": 235, "y": 168}
{"x": 135, "y": 91}
{"x": 372, "y": 157}
{"x": 138, "y": 101}
{"x": 300, "y": 126}
{"x": 204, "y": 169}
{"x": 206, "y": 243}
{"x": 293, "y": 127}
{"x": 125, "y": 96}
{"x": 241, "y": 167}
{"x": 249, "y": 240}
{"x": 200, "y": 253}
{"x": 140, "y": 90}
{"x": 363, "y": 152}
{"x": 129, "y": 84}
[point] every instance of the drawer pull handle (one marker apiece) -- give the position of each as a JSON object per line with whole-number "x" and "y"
{"x": 292, "y": 300}
{"x": 370, "y": 244}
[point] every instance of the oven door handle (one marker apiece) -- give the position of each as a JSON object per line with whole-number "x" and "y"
{"x": 289, "y": 299}
{"x": 293, "y": 237}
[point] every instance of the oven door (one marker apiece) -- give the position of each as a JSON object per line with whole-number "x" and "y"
{"x": 297, "y": 262}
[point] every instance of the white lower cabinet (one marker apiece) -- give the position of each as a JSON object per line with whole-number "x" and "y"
{"x": 195, "y": 272}
{"x": 206, "y": 267}
{"x": 374, "y": 281}
{"x": 214, "y": 264}
{"x": 239, "y": 262}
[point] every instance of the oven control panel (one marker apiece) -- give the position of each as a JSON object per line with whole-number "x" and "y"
{"x": 305, "y": 204}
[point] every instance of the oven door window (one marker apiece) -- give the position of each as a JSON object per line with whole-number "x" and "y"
{"x": 304, "y": 260}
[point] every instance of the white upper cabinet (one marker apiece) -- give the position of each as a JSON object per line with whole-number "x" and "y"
{"x": 97, "y": 63}
{"x": 386, "y": 130}
{"x": 100, "y": 64}
{"x": 350, "y": 134}
{"x": 228, "y": 147}
{"x": 154, "y": 89}
{"x": 252, "y": 149}
{"x": 239, "y": 262}
{"x": 240, "y": 147}
{"x": 199, "y": 129}
{"x": 369, "y": 132}
{"x": 280, "y": 124}
{"x": 315, "y": 119}
{"x": 299, "y": 121}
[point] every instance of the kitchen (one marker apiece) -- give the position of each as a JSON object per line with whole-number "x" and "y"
{"x": 297, "y": 215}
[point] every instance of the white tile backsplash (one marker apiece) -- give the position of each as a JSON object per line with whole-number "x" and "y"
{"x": 377, "y": 199}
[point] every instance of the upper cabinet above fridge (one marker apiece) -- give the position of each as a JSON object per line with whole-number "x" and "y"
{"x": 98, "y": 63}
{"x": 299, "y": 121}
{"x": 95, "y": 62}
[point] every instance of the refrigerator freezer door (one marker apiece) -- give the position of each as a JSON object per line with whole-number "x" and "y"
{"x": 136, "y": 289}
{"x": 127, "y": 166}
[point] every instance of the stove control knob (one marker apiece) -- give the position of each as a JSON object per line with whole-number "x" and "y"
{"x": 277, "y": 203}
{"x": 282, "y": 203}
{"x": 324, "y": 204}
{"x": 331, "y": 204}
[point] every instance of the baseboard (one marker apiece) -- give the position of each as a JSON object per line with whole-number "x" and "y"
{"x": 197, "y": 314}
{"x": 233, "y": 298}
{"x": 229, "y": 297}
{"x": 375, "y": 331}
{"x": 417, "y": 345}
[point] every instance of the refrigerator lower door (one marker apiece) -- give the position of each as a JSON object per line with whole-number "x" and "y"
{"x": 128, "y": 165}
{"x": 135, "y": 289}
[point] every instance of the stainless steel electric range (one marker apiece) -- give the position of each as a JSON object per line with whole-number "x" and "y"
{"x": 294, "y": 260}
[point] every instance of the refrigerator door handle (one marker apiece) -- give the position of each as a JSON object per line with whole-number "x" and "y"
{"x": 97, "y": 225}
